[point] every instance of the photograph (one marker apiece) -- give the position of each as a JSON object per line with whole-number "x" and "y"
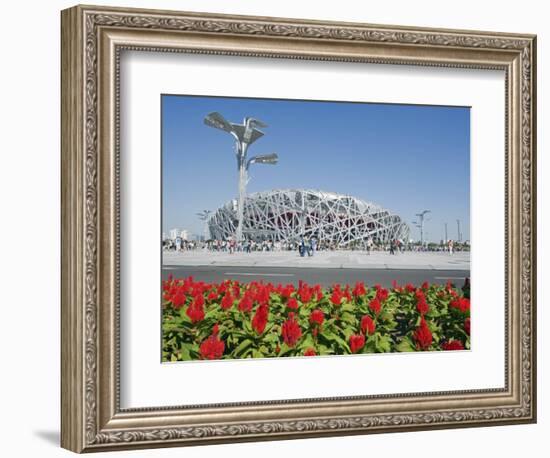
{"x": 271, "y": 225}
{"x": 313, "y": 228}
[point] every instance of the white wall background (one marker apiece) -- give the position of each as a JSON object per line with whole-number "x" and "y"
{"x": 29, "y": 232}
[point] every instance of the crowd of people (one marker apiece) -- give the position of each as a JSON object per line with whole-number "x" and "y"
{"x": 307, "y": 246}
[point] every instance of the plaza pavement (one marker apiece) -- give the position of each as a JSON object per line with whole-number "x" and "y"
{"x": 323, "y": 260}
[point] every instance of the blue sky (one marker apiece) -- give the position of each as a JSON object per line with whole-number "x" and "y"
{"x": 406, "y": 158}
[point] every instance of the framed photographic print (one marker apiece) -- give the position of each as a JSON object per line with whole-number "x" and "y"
{"x": 278, "y": 228}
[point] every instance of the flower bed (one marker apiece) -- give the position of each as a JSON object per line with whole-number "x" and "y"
{"x": 233, "y": 320}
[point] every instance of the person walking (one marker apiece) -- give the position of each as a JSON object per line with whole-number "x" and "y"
{"x": 450, "y": 244}
{"x": 310, "y": 247}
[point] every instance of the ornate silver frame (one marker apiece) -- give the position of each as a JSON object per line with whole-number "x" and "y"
{"x": 92, "y": 39}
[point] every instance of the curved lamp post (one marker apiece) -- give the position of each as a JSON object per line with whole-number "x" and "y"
{"x": 244, "y": 134}
{"x": 420, "y": 224}
{"x": 203, "y": 216}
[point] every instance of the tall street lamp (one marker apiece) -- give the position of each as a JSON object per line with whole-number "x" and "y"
{"x": 420, "y": 224}
{"x": 244, "y": 134}
{"x": 203, "y": 216}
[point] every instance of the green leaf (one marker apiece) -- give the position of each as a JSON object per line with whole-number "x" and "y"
{"x": 347, "y": 307}
{"x": 242, "y": 347}
{"x": 184, "y": 352}
{"x": 405, "y": 346}
{"x": 284, "y": 350}
{"x": 306, "y": 343}
{"x": 271, "y": 338}
{"x": 348, "y": 317}
{"x": 383, "y": 344}
{"x": 332, "y": 337}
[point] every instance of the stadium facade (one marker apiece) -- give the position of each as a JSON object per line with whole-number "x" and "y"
{"x": 283, "y": 215}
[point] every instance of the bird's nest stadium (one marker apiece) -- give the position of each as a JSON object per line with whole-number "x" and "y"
{"x": 283, "y": 215}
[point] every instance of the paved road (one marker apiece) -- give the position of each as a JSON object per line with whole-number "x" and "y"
{"x": 322, "y": 259}
{"x": 324, "y": 276}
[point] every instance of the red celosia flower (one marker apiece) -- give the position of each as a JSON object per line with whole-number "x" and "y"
{"x": 421, "y": 304}
{"x": 356, "y": 342}
{"x": 317, "y": 317}
{"x": 195, "y": 311}
{"x": 287, "y": 290}
{"x": 310, "y": 352}
{"x": 291, "y": 331}
{"x": 195, "y": 314}
{"x": 368, "y": 325}
{"x": 461, "y": 303}
{"x": 425, "y": 285}
{"x": 212, "y": 348}
{"x": 262, "y": 294}
{"x": 292, "y": 303}
{"x": 222, "y": 287}
{"x": 452, "y": 345}
{"x": 318, "y": 292}
{"x": 236, "y": 290}
{"x": 178, "y": 300}
{"x": 337, "y": 296}
{"x": 467, "y": 325}
{"x": 347, "y": 294}
{"x": 212, "y": 296}
{"x": 359, "y": 289}
{"x": 423, "y": 336}
{"x": 198, "y": 300}
{"x": 227, "y": 301}
{"x": 410, "y": 287}
{"x": 259, "y": 320}
{"x": 375, "y": 306}
{"x": 198, "y": 288}
{"x": 245, "y": 304}
{"x": 381, "y": 293}
{"x": 305, "y": 293}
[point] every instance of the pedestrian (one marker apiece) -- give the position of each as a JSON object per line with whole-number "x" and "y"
{"x": 302, "y": 246}
{"x": 450, "y": 244}
{"x": 392, "y": 247}
{"x": 310, "y": 247}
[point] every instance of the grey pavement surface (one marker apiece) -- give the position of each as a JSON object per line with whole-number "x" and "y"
{"x": 323, "y": 276}
{"x": 325, "y": 267}
{"x": 322, "y": 259}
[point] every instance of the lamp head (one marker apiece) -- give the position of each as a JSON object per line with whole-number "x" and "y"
{"x": 270, "y": 159}
{"x": 217, "y": 121}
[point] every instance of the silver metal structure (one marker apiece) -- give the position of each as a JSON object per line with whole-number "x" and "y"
{"x": 244, "y": 134}
{"x": 284, "y": 215}
{"x": 204, "y": 216}
{"x": 420, "y": 225}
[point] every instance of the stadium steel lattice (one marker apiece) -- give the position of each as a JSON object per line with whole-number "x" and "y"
{"x": 286, "y": 214}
